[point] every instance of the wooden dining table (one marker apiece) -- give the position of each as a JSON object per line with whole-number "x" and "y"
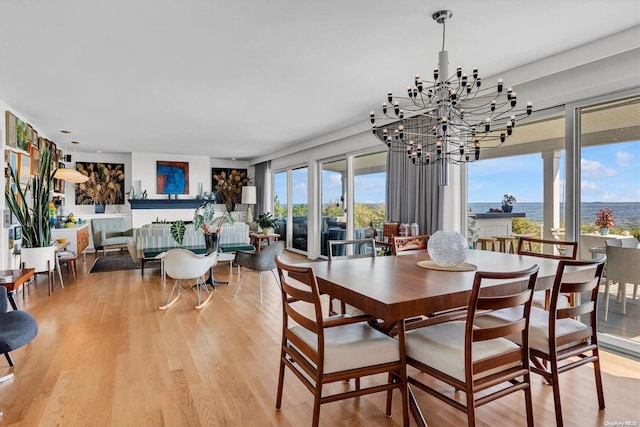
{"x": 393, "y": 288}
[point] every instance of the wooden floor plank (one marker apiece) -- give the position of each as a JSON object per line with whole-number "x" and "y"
{"x": 105, "y": 355}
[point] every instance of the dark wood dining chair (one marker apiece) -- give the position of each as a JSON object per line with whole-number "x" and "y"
{"x": 408, "y": 244}
{"x": 348, "y": 249}
{"x": 552, "y": 249}
{"x": 322, "y": 350}
{"x": 475, "y": 359}
{"x": 558, "y": 342}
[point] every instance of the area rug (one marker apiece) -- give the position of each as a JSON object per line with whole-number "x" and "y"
{"x": 113, "y": 263}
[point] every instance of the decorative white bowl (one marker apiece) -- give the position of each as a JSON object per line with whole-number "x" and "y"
{"x": 447, "y": 248}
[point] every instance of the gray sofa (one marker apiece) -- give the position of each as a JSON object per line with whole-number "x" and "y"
{"x": 110, "y": 233}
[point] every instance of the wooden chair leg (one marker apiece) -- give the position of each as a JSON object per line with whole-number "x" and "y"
{"x": 596, "y": 370}
{"x": 528, "y": 401}
{"x": 555, "y": 384}
{"x": 280, "y": 381}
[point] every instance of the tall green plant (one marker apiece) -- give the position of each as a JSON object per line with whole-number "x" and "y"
{"x": 30, "y": 204}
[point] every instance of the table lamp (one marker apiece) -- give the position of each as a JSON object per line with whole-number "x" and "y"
{"x": 249, "y": 198}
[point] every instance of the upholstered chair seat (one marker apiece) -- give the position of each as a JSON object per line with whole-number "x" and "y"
{"x": 17, "y": 327}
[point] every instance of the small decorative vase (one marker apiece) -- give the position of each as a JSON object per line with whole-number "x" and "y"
{"x": 267, "y": 231}
{"x": 447, "y": 248}
{"x": 604, "y": 231}
{"x": 99, "y": 207}
{"x": 211, "y": 241}
{"x": 507, "y": 208}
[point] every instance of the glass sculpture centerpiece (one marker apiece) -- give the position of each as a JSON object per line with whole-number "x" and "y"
{"x": 447, "y": 248}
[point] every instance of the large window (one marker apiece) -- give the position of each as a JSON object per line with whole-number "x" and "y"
{"x": 610, "y": 179}
{"x": 369, "y": 184}
{"x": 333, "y": 206}
{"x": 291, "y": 205}
{"x": 353, "y": 196}
{"x": 536, "y": 170}
{"x": 530, "y": 166}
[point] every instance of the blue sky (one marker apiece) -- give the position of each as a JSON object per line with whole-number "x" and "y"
{"x": 609, "y": 173}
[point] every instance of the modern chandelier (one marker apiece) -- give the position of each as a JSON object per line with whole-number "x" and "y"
{"x": 449, "y": 120}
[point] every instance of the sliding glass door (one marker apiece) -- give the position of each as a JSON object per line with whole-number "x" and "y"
{"x": 352, "y": 196}
{"x": 291, "y": 206}
{"x": 609, "y": 134}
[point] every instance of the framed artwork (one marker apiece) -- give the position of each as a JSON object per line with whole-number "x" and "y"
{"x": 25, "y": 169}
{"x": 172, "y": 177}
{"x": 105, "y": 185}
{"x": 35, "y": 158}
{"x": 13, "y": 161}
{"x": 54, "y": 152}
{"x": 42, "y": 142}
{"x": 32, "y": 137}
{"x": 214, "y": 182}
{"x": 10, "y": 120}
{"x": 16, "y": 132}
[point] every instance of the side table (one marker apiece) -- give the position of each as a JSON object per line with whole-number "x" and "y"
{"x": 256, "y": 239}
{"x": 18, "y": 277}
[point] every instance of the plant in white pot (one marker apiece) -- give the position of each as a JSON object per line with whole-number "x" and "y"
{"x": 30, "y": 205}
{"x": 266, "y": 222}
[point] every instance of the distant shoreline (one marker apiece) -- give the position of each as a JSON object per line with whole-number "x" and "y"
{"x": 624, "y": 212}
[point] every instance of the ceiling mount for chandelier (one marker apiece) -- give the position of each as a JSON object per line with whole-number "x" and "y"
{"x": 451, "y": 119}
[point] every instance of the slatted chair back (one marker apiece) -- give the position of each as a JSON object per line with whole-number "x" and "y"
{"x": 408, "y": 244}
{"x": 346, "y": 249}
{"x": 553, "y": 249}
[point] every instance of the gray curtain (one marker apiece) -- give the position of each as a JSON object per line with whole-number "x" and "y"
{"x": 262, "y": 171}
{"x": 413, "y": 194}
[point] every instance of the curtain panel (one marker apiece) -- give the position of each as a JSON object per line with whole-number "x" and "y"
{"x": 413, "y": 194}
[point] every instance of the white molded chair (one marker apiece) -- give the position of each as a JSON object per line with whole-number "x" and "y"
{"x": 184, "y": 265}
{"x": 623, "y": 266}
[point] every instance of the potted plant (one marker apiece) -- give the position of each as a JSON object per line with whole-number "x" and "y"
{"x": 104, "y": 186}
{"x": 604, "y": 220}
{"x": 30, "y": 205}
{"x": 203, "y": 218}
{"x": 266, "y": 222}
{"x": 507, "y": 202}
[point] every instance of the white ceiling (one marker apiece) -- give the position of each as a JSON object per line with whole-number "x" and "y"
{"x": 245, "y": 78}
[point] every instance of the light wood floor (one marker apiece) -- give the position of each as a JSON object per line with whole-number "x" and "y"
{"x": 106, "y": 356}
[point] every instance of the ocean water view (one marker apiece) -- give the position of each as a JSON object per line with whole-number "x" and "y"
{"x": 623, "y": 213}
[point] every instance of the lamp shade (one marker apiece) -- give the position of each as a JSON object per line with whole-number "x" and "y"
{"x": 70, "y": 175}
{"x": 249, "y": 195}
